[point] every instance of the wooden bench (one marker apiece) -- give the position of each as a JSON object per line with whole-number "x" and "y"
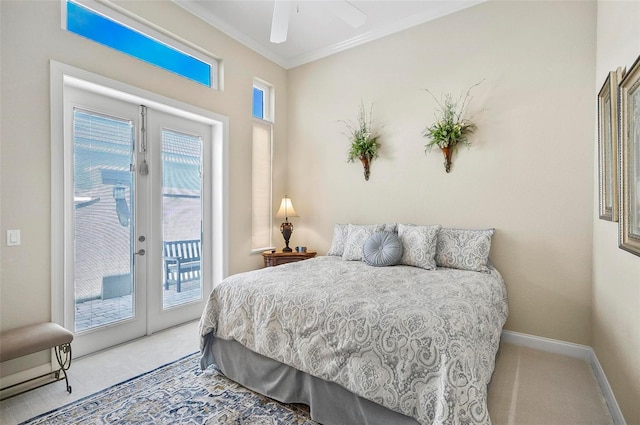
{"x": 181, "y": 262}
{"x": 31, "y": 339}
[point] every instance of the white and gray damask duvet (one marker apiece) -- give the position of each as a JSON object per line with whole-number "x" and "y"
{"x": 419, "y": 342}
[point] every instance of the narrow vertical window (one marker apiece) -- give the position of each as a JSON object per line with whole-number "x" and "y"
{"x": 261, "y": 187}
{"x": 261, "y": 211}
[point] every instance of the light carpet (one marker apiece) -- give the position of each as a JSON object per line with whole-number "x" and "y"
{"x": 179, "y": 392}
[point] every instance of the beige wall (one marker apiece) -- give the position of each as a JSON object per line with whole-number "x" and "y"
{"x": 31, "y": 37}
{"x": 529, "y": 172}
{"x": 616, "y": 273}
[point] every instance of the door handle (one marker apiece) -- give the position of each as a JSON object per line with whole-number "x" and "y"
{"x": 140, "y": 252}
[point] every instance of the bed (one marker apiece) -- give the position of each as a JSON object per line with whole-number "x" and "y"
{"x": 361, "y": 344}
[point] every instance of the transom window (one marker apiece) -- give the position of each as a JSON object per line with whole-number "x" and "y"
{"x": 115, "y": 30}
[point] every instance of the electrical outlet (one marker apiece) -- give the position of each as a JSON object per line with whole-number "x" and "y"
{"x": 13, "y": 237}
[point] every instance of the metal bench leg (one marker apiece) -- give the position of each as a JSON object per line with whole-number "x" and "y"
{"x": 63, "y": 355}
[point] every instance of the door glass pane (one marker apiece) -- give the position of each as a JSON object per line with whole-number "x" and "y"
{"x": 103, "y": 225}
{"x": 182, "y": 217}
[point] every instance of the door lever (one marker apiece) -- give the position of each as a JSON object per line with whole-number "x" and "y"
{"x": 140, "y": 252}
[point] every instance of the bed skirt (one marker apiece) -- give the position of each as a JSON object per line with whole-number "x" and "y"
{"x": 330, "y": 403}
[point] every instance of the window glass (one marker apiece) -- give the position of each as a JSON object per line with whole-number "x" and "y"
{"x": 103, "y": 230}
{"x": 182, "y": 216}
{"x": 96, "y": 27}
{"x": 258, "y": 103}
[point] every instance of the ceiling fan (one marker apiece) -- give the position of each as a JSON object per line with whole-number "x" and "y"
{"x": 343, "y": 9}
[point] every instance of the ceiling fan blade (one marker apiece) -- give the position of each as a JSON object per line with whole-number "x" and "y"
{"x": 280, "y": 21}
{"x": 348, "y": 12}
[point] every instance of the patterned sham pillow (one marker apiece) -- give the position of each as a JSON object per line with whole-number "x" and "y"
{"x": 419, "y": 243}
{"x": 339, "y": 237}
{"x": 357, "y": 234}
{"x": 382, "y": 249}
{"x": 464, "y": 249}
{"x": 391, "y": 227}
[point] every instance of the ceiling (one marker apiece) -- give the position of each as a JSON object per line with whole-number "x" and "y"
{"x": 315, "y": 28}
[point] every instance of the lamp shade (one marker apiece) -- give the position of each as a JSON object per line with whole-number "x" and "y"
{"x": 286, "y": 209}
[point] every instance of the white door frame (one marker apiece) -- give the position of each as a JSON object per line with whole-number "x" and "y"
{"x": 216, "y": 207}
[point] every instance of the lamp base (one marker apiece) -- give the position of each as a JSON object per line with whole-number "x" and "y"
{"x": 287, "y": 229}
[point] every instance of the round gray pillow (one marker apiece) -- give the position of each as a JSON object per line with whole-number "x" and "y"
{"x": 382, "y": 249}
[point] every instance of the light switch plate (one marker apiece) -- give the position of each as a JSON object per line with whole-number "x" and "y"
{"x": 13, "y": 237}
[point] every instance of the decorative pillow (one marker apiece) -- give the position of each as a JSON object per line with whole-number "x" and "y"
{"x": 382, "y": 249}
{"x": 339, "y": 237}
{"x": 419, "y": 243}
{"x": 356, "y": 235}
{"x": 465, "y": 249}
{"x": 391, "y": 227}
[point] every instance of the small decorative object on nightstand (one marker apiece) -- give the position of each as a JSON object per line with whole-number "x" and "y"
{"x": 276, "y": 258}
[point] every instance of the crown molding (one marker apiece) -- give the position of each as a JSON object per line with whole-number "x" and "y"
{"x": 288, "y": 63}
{"x": 382, "y": 32}
{"x": 201, "y": 13}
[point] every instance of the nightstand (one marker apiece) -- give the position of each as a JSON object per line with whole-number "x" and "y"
{"x": 276, "y": 258}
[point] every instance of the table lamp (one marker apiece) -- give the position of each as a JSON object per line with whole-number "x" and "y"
{"x": 286, "y": 210}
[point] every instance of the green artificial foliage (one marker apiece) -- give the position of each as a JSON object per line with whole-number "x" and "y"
{"x": 364, "y": 141}
{"x": 450, "y": 127}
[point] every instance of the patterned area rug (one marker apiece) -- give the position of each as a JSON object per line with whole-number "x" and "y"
{"x": 177, "y": 393}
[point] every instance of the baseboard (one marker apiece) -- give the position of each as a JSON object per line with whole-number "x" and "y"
{"x": 549, "y": 345}
{"x": 612, "y": 403}
{"x": 570, "y": 349}
{"x": 25, "y": 375}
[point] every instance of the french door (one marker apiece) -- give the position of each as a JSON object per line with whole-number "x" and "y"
{"x": 137, "y": 180}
